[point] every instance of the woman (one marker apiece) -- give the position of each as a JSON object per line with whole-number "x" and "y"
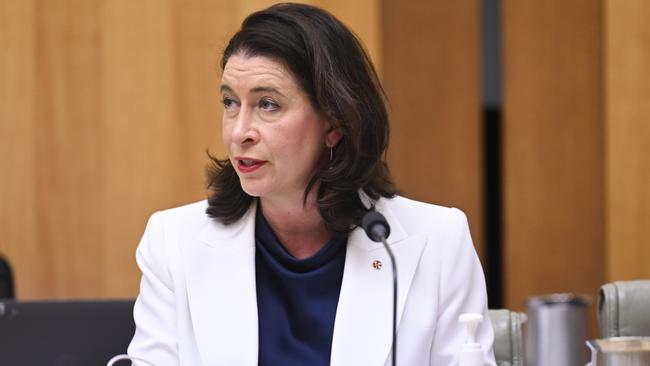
{"x": 273, "y": 269}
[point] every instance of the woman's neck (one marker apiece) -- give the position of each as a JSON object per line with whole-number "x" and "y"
{"x": 300, "y": 228}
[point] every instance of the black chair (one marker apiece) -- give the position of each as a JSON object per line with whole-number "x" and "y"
{"x": 6, "y": 280}
{"x": 64, "y": 333}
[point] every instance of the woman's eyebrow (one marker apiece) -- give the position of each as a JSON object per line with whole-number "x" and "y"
{"x": 258, "y": 89}
{"x": 266, "y": 89}
{"x": 225, "y": 88}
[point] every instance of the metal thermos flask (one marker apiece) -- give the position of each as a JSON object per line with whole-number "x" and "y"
{"x": 556, "y": 330}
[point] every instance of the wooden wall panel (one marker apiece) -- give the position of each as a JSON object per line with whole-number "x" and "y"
{"x": 106, "y": 111}
{"x": 431, "y": 75}
{"x": 18, "y": 215}
{"x": 141, "y": 134}
{"x": 67, "y": 145}
{"x": 627, "y": 102}
{"x": 553, "y": 149}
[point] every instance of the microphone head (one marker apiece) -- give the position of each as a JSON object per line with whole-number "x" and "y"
{"x": 375, "y": 226}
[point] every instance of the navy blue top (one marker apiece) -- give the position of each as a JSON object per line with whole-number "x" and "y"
{"x": 296, "y": 299}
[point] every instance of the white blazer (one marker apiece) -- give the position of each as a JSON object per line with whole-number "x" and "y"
{"x": 198, "y": 307}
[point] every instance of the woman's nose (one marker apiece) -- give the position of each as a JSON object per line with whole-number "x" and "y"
{"x": 244, "y": 130}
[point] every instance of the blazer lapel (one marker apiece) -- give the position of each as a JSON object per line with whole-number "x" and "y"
{"x": 363, "y": 325}
{"x": 220, "y": 274}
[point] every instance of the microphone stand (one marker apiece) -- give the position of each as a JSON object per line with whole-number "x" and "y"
{"x": 394, "y": 270}
{"x": 377, "y": 229}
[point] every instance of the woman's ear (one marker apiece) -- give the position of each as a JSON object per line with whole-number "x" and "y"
{"x": 333, "y": 137}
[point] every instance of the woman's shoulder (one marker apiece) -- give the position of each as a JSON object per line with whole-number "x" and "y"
{"x": 186, "y": 216}
{"x": 445, "y": 228}
{"x": 193, "y": 209}
{"x": 420, "y": 217}
{"x": 409, "y": 207}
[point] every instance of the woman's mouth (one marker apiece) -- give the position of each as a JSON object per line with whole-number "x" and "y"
{"x": 248, "y": 165}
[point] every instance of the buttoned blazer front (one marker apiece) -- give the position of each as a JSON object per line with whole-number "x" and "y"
{"x": 197, "y": 303}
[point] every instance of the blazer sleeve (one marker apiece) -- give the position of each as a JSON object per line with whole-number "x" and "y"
{"x": 462, "y": 290}
{"x": 155, "y": 339}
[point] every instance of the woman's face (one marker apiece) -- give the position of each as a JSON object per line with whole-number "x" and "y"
{"x": 273, "y": 136}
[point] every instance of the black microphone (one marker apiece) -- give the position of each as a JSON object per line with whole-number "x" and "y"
{"x": 375, "y": 226}
{"x": 377, "y": 229}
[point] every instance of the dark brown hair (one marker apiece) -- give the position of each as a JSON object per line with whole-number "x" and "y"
{"x": 331, "y": 66}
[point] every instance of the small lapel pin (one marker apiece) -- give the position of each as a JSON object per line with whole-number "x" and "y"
{"x": 376, "y": 264}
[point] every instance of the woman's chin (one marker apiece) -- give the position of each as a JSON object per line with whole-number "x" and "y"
{"x": 253, "y": 190}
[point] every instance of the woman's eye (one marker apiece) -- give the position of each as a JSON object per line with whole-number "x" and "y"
{"x": 228, "y": 102}
{"x": 268, "y": 105}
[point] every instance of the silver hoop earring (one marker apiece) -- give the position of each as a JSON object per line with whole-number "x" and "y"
{"x": 331, "y": 152}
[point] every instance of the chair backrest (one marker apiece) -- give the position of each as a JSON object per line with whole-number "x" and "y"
{"x": 624, "y": 309}
{"x": 64, "y": 333}
{"x": 6, "y": 280}
{"x": 508, "y": 336}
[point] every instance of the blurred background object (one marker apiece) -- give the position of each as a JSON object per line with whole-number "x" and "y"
{"x": 529, "y": 116}
{"x": 556, "y": 330}
{"x": 508, "y": 336}
{"x": 6, "y": 280}
{"x": 624, "y": 309}
{"x": 70, "y": 332}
